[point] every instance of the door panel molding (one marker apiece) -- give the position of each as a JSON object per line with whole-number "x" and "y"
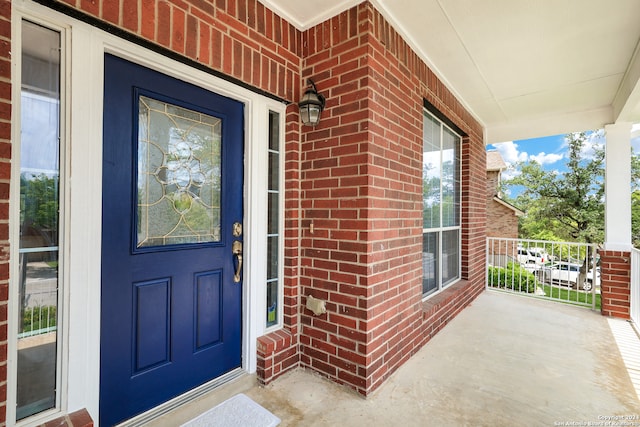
{"x": 207, "y": 289}
{"x": 152, "y": 317}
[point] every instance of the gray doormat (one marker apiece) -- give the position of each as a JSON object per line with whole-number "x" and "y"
{"x": 238, "y": 411}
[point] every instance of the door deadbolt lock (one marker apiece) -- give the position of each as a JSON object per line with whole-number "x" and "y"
{"x": 237, "y": 229}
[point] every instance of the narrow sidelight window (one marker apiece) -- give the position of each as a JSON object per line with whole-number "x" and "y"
{"x": 39, "y": 251}
{"x": 273, "y": 222}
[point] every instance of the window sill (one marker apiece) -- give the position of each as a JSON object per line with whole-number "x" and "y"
{"x": 444, "y": 298}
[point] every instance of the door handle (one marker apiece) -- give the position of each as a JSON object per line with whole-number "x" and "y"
{"x": 236, "y": 249}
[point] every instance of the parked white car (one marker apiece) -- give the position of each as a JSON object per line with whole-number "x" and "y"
{"x": 535, "y": 256}
{"x": 567, "y": 274}
{"x": 541, "y": 255}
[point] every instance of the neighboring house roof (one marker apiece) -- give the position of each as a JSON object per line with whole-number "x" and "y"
{"x": 516, "y": 211}
{"x": 495, "y": 161}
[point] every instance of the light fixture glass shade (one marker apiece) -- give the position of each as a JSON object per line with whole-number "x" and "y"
{"x": 311, "y": 105}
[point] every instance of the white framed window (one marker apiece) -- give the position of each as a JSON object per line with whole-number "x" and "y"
{"x": 441, "y": 199}
{"x": 38, "y": 209}
{"x": 275, "y": 220}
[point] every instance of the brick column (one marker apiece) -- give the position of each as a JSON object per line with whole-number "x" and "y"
{"x": 615, "y": 278}
{"x": 361, "y": 189}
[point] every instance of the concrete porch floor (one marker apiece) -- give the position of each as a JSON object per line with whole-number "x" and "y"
{"x": 504, "y": 361}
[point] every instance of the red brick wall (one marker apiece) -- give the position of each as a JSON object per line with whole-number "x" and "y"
{"x": 443, "y": 307}
{"x": 615, "y": 286}
{"x": 493, "y": 182}
{"x": 474, "y": 207}
{"x": 277, "y": 353}
{"x": 240, "y": 38}
{"x": 362, "y": 191}
{"x": 501, "y": 221}
{"x": 5, "y": 174}
{"x": 335, "y": 200}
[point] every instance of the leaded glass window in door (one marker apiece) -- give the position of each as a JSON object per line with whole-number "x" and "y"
{"x": 179, "y": 174}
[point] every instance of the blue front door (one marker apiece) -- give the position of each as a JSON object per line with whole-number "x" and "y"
{"x": 171, "y": 313}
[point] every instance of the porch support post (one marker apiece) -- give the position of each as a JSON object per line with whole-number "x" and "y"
{"x": 617, "y": 187}
{"x": 615, "y": 286}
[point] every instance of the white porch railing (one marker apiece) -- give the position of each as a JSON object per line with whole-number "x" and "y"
{"x": 635, "y": 286}
{"x": 561, "y": 271}
{"x": 37, "y": 321}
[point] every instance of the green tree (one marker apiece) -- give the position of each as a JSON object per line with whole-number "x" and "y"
{"x": 567, "y": 205}
{"x": 635, "y": 218}
{"x": 39, "y": 201}
{"x": 431, "y": 197}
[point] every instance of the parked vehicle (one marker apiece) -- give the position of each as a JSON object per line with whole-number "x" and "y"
{"x": 568, "y": 274}
{"x": 535, "y": 256}
{"x": 524, "y": 256}
{"x": 541, "y": 255}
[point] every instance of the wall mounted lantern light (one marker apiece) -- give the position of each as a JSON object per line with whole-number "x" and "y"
{"x": 311, "y": 105}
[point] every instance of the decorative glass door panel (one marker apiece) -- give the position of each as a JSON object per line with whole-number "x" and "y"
{"x": 179, "y": 175}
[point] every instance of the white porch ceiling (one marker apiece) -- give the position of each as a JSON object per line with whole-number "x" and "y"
{"x": 523, "y": 68}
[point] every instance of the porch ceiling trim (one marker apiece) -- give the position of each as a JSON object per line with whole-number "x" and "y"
{"x": 522, "y": 69}
{"x": 306, "y": 14}
{"x": 626, "y": 105}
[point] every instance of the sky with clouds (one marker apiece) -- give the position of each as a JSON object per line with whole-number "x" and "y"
{"x": 550, "y": 151}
